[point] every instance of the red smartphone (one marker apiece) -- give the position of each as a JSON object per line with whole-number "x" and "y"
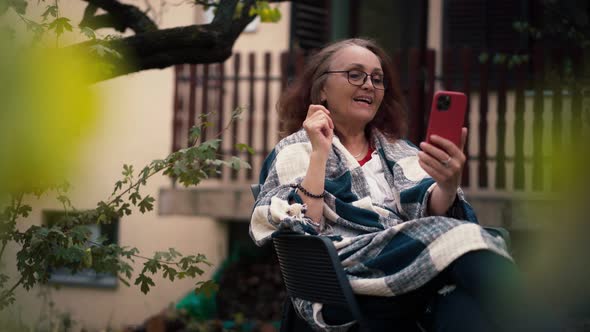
{"x": 447, "y": 116}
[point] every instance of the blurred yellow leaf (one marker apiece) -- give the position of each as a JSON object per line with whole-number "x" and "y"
{"x": 46, "y": 112}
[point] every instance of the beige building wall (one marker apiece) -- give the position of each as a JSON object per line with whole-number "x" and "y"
{"x": 135, "y": 127}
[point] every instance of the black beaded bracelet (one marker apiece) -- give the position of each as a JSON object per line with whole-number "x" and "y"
{"x": 307, "y": 193}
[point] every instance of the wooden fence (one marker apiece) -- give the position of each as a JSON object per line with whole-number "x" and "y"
{"x": 514, "y": 114}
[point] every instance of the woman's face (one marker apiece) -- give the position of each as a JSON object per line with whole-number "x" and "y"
{"x": 350, "y": 104}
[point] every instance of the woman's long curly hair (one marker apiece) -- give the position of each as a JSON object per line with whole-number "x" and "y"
{"x": 391, "y": 117}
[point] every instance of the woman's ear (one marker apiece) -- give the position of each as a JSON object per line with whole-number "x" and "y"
{"x": 323, "y": 96}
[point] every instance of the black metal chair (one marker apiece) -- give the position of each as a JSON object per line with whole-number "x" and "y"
{"x": 312, "y": 271}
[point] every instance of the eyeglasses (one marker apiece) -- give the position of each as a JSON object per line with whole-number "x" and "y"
{"x": 358, "y": 78}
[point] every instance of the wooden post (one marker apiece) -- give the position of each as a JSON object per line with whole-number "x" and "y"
{"x": 500, "y": 182}
{"x": 192, "y": 98}
{"x": 519, "y": 180}
{"x": 466, "y": 59}
{"x": 221, "y": 118}
{"x": 235, "y": 105}
{"x": 482, "y": 169}
{"x": 251, "y": 108}
{"x": 556, "y": 110}
{"x": 539, "y": 65}
{"x": 266, "y": 105}
{"x": 416, "y": 116}
{"x": 177, "y": 109}
{"x": 205, "y": 112}
{"x": 576, "y": 89}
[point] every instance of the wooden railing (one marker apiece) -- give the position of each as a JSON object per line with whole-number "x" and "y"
{"x": 514, "y": 114}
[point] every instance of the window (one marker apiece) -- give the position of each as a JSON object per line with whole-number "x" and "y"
{"x": 483, "y": 26}
{"x": 309, "y": 24}
{"x": 86, "y": 277}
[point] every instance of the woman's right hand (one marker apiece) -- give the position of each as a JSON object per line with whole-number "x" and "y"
{"x": 319, "y": 128}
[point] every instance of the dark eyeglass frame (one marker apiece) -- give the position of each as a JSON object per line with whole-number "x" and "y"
{"x": 364, "y": 78}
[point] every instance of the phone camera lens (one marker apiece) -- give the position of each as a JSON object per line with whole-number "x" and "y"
{"x": 443, "y": 102}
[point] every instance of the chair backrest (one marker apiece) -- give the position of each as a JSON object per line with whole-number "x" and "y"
{"x": 312, "y": 271}
{"x": 255, "y": 188}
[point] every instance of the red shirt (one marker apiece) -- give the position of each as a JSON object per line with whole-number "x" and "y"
{"x": 367, "y": 156}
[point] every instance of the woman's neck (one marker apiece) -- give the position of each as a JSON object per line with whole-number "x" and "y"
{"x": 354, "y": 141}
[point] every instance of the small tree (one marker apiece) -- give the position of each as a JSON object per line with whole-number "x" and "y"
{"x": 67, "y": 243}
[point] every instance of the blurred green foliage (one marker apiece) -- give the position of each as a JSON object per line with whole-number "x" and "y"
{"x": 47, "y": 110}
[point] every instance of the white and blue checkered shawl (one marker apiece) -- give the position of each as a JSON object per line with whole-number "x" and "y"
{"x": 384, "y": 252}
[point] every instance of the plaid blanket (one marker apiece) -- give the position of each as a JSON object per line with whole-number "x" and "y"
{"x": 384, "y": 251}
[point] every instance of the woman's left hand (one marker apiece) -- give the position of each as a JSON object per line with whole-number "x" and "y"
{"x": 444, "y": 161}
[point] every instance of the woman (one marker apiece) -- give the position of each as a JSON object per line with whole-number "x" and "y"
{"x": 399, "y": 219}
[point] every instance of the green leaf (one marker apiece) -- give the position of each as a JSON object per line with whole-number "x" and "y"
{"x": 60, "y": 24}
{"x": 63, "y": 199}
{"x": 124, "y": 210}
{"x": 239, "y": 318}
{"x": 24, "y": 210}
{"x": 180, "y": 167}
{"x": 19, "y": 6}
{"x": 194, "y": 270}
{"x": 158, "y": 165}
{"x": 145, "y": 283}
{"x": 275, "y": 15}
{"x": 146, "y": 204}
{"x": 212, "y": 144}
{"x": 237, "y": 164}
{"x": 127, "y": 170}
{"x": 194, "y": 133}
{"x": 118, "y": 186}
{"x": 145, "y": 173}
{"x": 241, "y": 147}
{"x": 51, "y": 10}
{"x": 204, "y": 116}
{"x": 88, "y": 32}
{"x": 124, "y": 281}
{"x": 499, "y": 58}
{"x": 237, "y": 113}
{"x": 152, "y": 265}
{"x": 87, "y": 261}
{"x": 134, "y": 197}
{"x": 34, "y": 27}
{"x": 169, "y": 272}
{"x": 252, "y": 11}
{"x": 174, "y": 253}
{"x": 208, "y": 288}
{"x": 483, "y": 58}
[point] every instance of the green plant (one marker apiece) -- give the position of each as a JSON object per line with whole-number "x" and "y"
{"x": 41, "y": 58}
{"x": 67, "y": 243}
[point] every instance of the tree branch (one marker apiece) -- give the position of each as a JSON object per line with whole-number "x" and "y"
{"x": 158, "y": 49}
{"x": 122, "y": 16}
{"x": 225, "y": 13}
{"x": 8, "y": 292}
{"x": 163, "y": 48}
{"x": 240, "y": 24}
{"x": 102, "y": 21}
